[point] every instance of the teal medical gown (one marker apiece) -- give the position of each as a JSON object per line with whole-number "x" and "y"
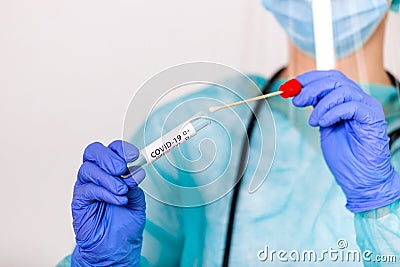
{"x": 298, "y": 207}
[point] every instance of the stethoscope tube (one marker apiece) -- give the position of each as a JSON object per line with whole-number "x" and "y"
{"x": 396, "y": 83}
{"x": 229, "y": 234}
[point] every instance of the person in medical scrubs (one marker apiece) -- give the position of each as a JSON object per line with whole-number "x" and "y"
{"x": 332, "y": 173}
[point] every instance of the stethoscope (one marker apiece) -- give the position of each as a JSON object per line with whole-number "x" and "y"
{"x": 242, "y": 164}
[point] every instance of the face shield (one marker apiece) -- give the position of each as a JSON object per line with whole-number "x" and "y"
{"x": 350, "y": 36}
{"x": 359, "y": 38}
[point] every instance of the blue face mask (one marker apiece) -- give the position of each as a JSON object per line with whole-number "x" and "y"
{"x": 353, "y": 22}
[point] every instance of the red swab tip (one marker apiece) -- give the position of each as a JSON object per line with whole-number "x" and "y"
{"x": 290, "y": 88}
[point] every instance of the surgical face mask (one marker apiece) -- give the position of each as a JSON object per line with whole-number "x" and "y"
{"x": 353, "y": 22}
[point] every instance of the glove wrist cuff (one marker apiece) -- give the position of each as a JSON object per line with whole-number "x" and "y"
{"x": 386, "y": 194}
{"x": 77, "y": 260}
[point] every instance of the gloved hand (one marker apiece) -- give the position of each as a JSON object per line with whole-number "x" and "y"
{"x": 353, "y": 138}
{"x": 108, "y": 212}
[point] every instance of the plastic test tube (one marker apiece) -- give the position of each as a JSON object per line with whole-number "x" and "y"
{"x": 171, "y": 140}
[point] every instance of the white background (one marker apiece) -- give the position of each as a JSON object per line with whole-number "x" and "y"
{"x": 68, "y": 70}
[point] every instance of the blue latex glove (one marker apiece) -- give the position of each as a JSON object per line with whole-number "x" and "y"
{"x": 108, "y": 212}
{"x": 353, "y": 138}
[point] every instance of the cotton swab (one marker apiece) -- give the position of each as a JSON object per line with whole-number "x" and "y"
{"x": 213, "y": 109}
{"x": 288, "y": 89}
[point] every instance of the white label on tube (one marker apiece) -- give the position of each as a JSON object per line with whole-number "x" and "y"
{"x": 167, "y": 142}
